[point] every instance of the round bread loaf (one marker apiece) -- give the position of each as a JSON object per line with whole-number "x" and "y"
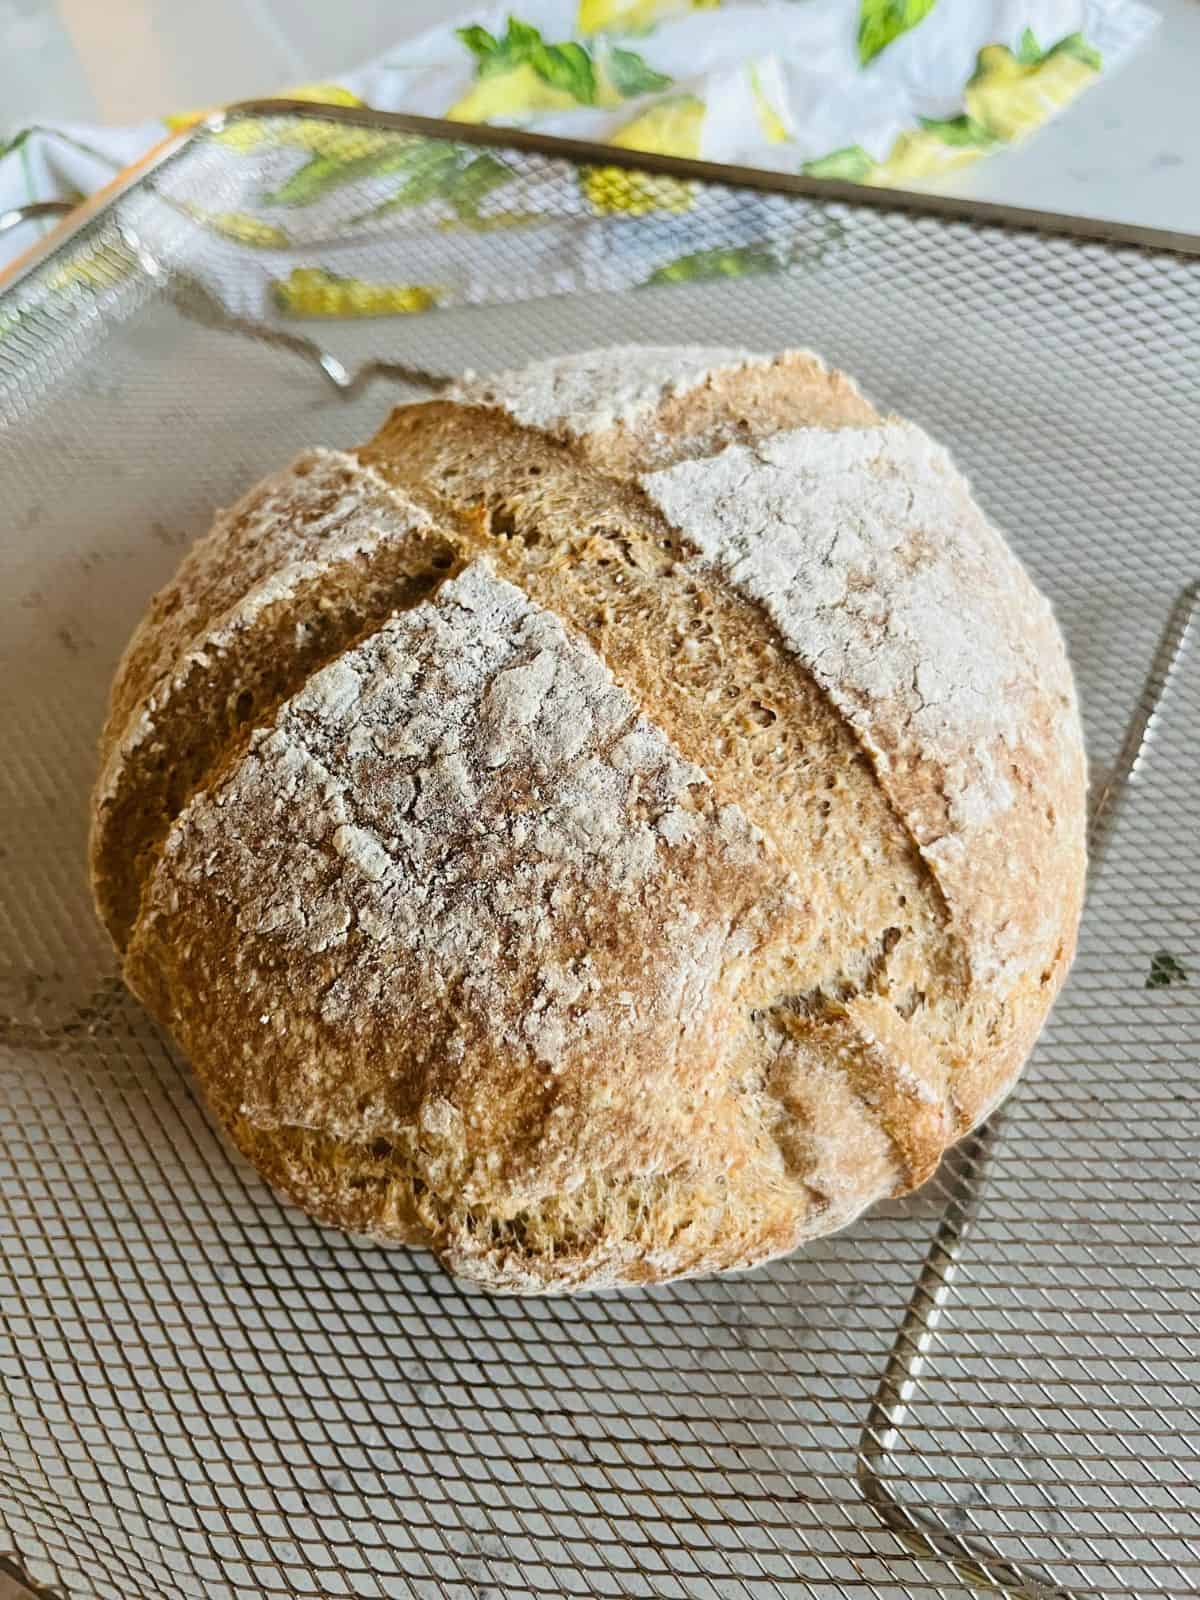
{"x": 617, "y": 824}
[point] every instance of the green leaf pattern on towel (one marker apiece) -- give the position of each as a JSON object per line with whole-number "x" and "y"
{"x": 963, "y": 132}
{"x": 428, "y": 170}
{"x": 1009, "y": 94}
{"x": 453, "y": 174}
{"x": 1030, "y": 54}
{"x": 706, "y": 266}
{"x": 852, "y": 164}
{"x": 881, "y": 21}
{"x": 569, "y": 67}
{"x": 515, "y": 74}
{"x": 322, "y": 175}
{"x": 631, "y": 75}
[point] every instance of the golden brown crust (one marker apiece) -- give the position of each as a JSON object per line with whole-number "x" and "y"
{"x": 465, "y": 914}
{"x": 706, "y": 664}
{"x": 286, "y": 578}
{"x": 806, "y": 987}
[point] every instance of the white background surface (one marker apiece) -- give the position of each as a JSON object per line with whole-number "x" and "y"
{"x": 1129, "y": 150}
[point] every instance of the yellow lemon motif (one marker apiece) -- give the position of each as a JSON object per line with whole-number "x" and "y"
{"x": 597, "y": 16}
{"x": 331, "y": 139}
{"x": 313, "y": 292}
{"x": 1009, "y": 95}
{"x": 248, "y": 134}
{"x": 920, "y": 154}
{"x": 325, "y": 94}
{"x": 97, "y": 270}
{"x": 1011, "y": 99}
{"x": 520, "y": 74}
{"x": 612, "y": 189}
{"x": 672, "y": 128}
{"x": 242, "y": 227}
{"x": 519, "y": 92}
{"x": 774, "y": 129}
{"x": 495, "y": 223}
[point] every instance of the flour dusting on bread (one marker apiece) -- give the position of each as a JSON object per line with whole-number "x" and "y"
{"x": 672, "y": 842}
{"x": 324, "y": 505}
{"x": 586, "y": 393}
{"x": 865, "y": 548}
{"x": 461, "y": 791}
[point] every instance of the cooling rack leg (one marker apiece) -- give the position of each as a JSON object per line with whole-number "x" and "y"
{"x": 966, "y": 1171}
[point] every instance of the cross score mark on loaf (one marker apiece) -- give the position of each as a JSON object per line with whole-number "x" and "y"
{"x": 522, "y": 970}
{"x": 880, "y": 572}
{"x": 287, "y": 577}
{"x": 475, "y": 838}
{"x": 862, "y": 543}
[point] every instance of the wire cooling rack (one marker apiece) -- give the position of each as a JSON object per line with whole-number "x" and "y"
{"x": 993, "y": 1384}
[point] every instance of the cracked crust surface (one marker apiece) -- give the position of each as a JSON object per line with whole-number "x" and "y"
{"x": 285, "y": 579}
{"x": 676, "y": 861}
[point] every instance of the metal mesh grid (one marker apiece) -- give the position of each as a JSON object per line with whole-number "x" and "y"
{"x": 1058, "y": 1402}
{"x": 203, "y": 1393}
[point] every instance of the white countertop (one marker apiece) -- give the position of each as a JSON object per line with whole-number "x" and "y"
{"x": 1128, "y": 150}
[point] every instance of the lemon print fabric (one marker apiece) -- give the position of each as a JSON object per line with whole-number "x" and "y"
{"x": 771, "y": 121}
{"x": 881, "y": 21}
{"x": 708, "y": 266}
{"x": 327, "y": 94}
{"x": 316, "y": 292}
{"x": 595, "y": 16}
{"x": 242, "y": 227}
{"x": 671, "y": 128}
{"x": 417, "y": 170}
{"x": 322, "y": 214}
{"x": 1010, "y": 93}
{"x": 930, "y": 150}
{"x": 879, "y": 92}
{"x": 521, "y": 76}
